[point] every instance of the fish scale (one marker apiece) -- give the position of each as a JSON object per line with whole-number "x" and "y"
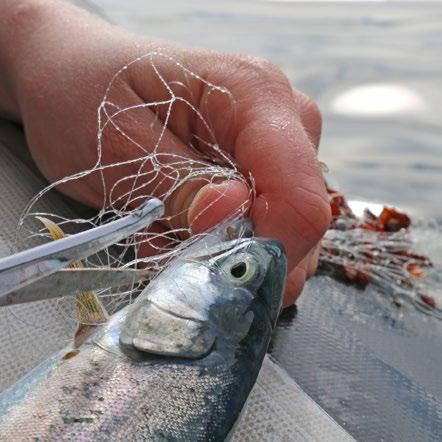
{"x": 102, "y": 393}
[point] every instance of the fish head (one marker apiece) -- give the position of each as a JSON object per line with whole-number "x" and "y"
{"x": 254, "y": 272}
{"x": 208, "y": 299}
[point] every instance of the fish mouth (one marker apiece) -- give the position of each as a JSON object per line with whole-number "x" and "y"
{"x": 272, "y": 289}
{"x": 275, "y": 249}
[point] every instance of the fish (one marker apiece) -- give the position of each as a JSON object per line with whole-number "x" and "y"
{"x": 176, "y": 365}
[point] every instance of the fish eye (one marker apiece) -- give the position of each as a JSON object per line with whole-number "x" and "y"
{"x": 241, "y": 269}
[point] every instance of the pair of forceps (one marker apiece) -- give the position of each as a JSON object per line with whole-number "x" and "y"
{"x": 42, "y": 273}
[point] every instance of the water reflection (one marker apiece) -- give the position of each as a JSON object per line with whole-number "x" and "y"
{"x": 381, "y": 99}
{"x": 328, "y": 51}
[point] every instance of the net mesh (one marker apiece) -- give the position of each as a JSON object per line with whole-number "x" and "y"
{"x": 29, "y": 333}
{"x": 371, "y": 366}
{"x": 385, "y": 250}
{"x": 154, "y": 163}
{"x": 151, "y": 159}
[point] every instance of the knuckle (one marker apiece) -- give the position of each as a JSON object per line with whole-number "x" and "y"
{"x": 25, "y": 13}
{"x": 324, "y": 218}
{"x": 308, "y": 108}
{"x": 314, "y": 111}
{"x": 314, "y": 216}
{"x": 294, "y": 285}
{"x": 260, "y": 70}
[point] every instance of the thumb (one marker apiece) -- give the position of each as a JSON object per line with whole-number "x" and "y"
{"x": 214, "y": 202}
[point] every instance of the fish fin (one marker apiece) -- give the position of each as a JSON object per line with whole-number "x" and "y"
{"x": 51, "y": 227}
{"x": 90, "y": 310}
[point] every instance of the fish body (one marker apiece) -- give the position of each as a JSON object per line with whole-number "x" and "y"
{"x": 177, "y": 365}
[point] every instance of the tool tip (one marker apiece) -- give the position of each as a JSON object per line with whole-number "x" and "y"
{"x": 152, "y": 208}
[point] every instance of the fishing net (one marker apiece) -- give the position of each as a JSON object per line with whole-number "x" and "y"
{"x": 376, "y": 249}
{"x": 359, "y": 250}
{"x": 362, "y": 250}
{"x": 29, "y": 333}
{"x": 150, "y": 167}
{"x": 384, "y": 249}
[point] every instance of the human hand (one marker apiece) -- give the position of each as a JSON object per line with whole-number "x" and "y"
{"x": 64, "y": 58}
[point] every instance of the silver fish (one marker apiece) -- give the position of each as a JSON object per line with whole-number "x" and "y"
{"x": 177, "y": 365}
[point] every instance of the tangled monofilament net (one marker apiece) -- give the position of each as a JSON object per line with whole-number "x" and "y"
{"x": 154, "y": 169}
{"x": 384, "y": 251}
{"x": 358, "y": 254}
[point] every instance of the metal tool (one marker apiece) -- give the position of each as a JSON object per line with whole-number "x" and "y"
{"x": 41, "y": 273}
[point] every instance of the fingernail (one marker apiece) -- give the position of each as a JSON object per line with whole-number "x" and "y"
{"x": 201, "y": 198}
{"x": 214, "y": 202}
